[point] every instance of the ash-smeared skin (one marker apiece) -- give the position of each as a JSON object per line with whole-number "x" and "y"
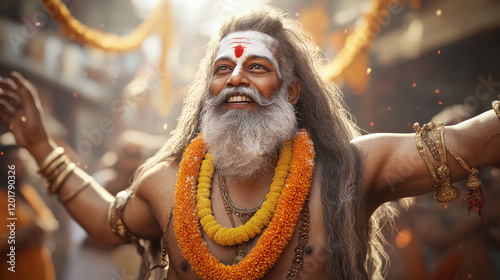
{"x": 238, "y": 46}
{"x": 245, "y": 61}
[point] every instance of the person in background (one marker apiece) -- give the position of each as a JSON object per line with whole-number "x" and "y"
{"x": 34, "y": 222}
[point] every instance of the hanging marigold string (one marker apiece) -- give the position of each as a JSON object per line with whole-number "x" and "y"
{"x": 79, "y": 32}
{"x": 272, "y": 241}
{"x": 158, "y": 20}
{"x": 233, "y": 236}
{"x": 360, "y": 39}
{"x": 166, "y": 82}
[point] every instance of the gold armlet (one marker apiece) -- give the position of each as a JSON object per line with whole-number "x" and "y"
{"x": 496, "y": 107}
{"x": 444, "y": 191}
{"x": 422, "y": 152}
{"x": 115, "y": 216}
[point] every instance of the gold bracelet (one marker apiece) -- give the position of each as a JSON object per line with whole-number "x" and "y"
{"x": 459, "y": 159}
{"x": 496, "y": 107}
{"x": 60, "y": 178}
{"x": 49, "y": 171}
{"x": 446, "y": 192}
{"x": 80, "y": 188}
{"x": 423, "y": 153}
{"x": 61, "y": 165}
{"x": 57, "y": 152}
{"x": 436, "y": 134}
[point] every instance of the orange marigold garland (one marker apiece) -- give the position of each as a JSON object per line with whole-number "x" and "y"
{"x": 273, "y": 240}
{"x": 243, "y": 233}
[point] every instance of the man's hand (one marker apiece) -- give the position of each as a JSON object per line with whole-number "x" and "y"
{"x": 21, "y": 113}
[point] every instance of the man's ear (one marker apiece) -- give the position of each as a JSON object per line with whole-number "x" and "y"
{"x": 294, "y": 91}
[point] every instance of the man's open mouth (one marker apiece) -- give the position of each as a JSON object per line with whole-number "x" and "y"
{"x": 239, "y": 99}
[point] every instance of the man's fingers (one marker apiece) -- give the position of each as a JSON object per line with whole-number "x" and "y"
{"x": 7, "y": 111}
{"x": 7, "y": 84}
{"x": 24, "y": 88}
{"x": 10, "y": 97}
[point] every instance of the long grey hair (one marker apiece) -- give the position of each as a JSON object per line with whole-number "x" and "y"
{"x": 354, "y": 243}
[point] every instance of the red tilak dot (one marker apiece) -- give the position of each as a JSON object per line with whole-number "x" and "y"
{"x": 238, "y": 51}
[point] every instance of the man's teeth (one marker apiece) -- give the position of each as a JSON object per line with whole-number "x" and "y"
{"x": 239, "y": 99}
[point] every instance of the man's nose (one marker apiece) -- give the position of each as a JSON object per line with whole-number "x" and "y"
{"x": 238, "y": 78}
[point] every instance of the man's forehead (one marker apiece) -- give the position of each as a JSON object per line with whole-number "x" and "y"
{"x": 247, "y": 42}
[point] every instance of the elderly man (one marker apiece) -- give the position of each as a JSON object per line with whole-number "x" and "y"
{"x": 265, "y": 176}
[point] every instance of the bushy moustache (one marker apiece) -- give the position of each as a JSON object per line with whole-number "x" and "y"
{"x": 242, "y": 142}
{"x": 224, "y": 94}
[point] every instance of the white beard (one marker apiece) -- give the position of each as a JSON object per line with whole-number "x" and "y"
{"x": 244, "y": 142}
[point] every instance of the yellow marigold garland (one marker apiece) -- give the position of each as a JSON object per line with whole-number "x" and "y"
{"x": 243, "y": 233}
{"x": 273, "y": 240}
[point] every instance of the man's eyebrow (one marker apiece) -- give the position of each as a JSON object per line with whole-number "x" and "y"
{"x": 222, "y": 58}
{"x": 264, "y": 57}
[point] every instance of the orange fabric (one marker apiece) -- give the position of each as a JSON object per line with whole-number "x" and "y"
{"x": 32, "y": 263}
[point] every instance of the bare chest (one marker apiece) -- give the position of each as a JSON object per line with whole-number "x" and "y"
{"x": 303, "y": 257}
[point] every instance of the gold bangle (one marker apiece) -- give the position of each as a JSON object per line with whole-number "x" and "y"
{"x": 57, "y": 152}
{"x": 496, "y": 107}
{"x": 61, "y": 165}
{"x": 459, "y": 159}
{"x": 436, "y": 134}
{"x": 423, "y": 153}
{"x": 49, "y": 171}
{"x": 60, "y": 178}
{"x": 80, "y": 188}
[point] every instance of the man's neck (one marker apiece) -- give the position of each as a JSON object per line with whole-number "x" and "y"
{"x": 247, "y": 193}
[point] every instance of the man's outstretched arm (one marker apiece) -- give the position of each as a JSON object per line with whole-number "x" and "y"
{"x": 86, "y": 201}
{"x": 393, "y": 167}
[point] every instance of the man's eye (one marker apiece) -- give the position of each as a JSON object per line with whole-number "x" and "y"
{"x": 222, "y": 68}
{"x": 258, "y": 67}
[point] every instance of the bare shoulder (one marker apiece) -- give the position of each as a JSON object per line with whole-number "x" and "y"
{"x": 157, "y": 185}
{"x": 149, "y": 205}
{"x": 376, "y": 151}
